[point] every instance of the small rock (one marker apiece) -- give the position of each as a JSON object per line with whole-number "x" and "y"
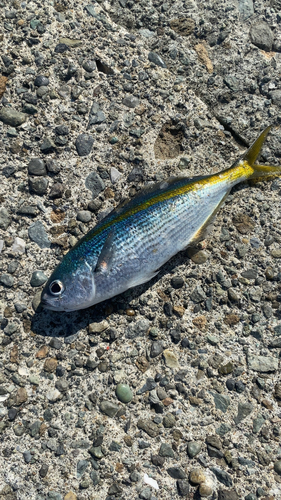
{"x": 183, "y": 487}
{"x": 5, "y": 218}
{"x": 89, "y": 65}
{"x": 276, "y": 253}
{"x": 156, "y": 59}
{"x": 50, "y": 365}
{"x": 47, "y": 146}
{"x": 70, "y": 495}
{"x": 110, "y": 409}
{"x": 166, "y": 450}
{"x": 198, "y": 295}
{"x": 263, "y": 364}
{"x": 38, "y": 278}
{"x": 95, "y": 184}
{"x": 7, "y": 280}
{"x": 12, "y": 117}
{"x": 131, "y": 101}
{"x": 149, "y": 427}
{"x": 38, "y": 185}
{"x": 170, "y": 358}
{"x": 156, "y": 349}
{"x": 222, "y": 476}
{"x": 205, "y": 490}
{"x": 53, "y": 395}
{"x": 193, "y": 448}
{"x": 261, "y": 35}
{"x": 124, "y": 393}
{"x": 277, "y": 467}
{"x": 99, "y": 327}
{"x": 41, "y": 81}
{"x": 198, "y": 256}
{"x": 84, "y": 144}
{"x": 197, "y": 476}
{"x": 36, "y": 166}
{"x": 228, "y": 495}
{"x": 222, "y": 402}
{"x": 84, "y": 216}
{"x": 176, "y": 473}
{"x": 18, "y": 246}
{"x": 37, "y": 233}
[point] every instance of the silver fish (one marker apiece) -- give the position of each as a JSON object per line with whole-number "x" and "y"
{"x": 128, "y": 247}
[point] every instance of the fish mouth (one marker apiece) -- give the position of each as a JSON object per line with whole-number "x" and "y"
{"x": 50, "y": 307}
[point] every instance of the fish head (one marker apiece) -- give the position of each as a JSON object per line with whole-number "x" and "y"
{"x": 69, "y": 289}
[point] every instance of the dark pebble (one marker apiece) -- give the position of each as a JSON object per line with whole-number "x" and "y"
{"x": 36, "y": 166}
{"x": 131, "y": 101}
{"x": 156, "y": 349}
{"x": 56, "y": 190}
{"x": 176, "y": 473}
{"x": 177, "y": 282}
{"x": 156, "y": 59}
{"x": 84, "y": 144}
{"x": 38, "y": 186}
{"x": 149, "y": 385}
{"x": 12, "y": 413}
{"x": 89, "y": 65}
{"x": 52, "y": 166}
{"x": 41, "y": 81}
{"x": 183, "y": 487}
{"x": 60, "y": 48}
{"x": 62, "y": 130}
{"x": 43, "y": 470}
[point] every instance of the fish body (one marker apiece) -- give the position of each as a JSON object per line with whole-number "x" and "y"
{"x": 128, "y": 246}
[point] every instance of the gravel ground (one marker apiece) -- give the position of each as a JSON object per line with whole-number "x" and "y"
{"x": 172, "y": 389}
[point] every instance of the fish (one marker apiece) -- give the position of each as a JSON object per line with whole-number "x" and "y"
{"x": 128, "y": 247}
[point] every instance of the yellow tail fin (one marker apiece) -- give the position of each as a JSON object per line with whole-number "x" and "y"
{"x": 252, "y": 154}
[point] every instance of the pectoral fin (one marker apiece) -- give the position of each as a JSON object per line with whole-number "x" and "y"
{"x": 105, "y": 259}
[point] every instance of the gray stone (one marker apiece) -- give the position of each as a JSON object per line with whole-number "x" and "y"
{"x": 38, "y": 278}
{"x": 263, "y": 364}
{"x": 156, "y": 349}
{"x": 97, "y": 118}
{"x": 38, "y": 185}
{"x": 146, "y": 493}
{"x": 95, "y": 184}
{"x": 149, "y": 385}
{"x": 176, "y": 473}
{"x": 222, "y": 476}
{"x": 198, "y": 295}
{"x": 183, "y": 487}
{"x": 84, "y": 144}
{"x": 258, "y": 423}
{"x": 277, "y": 467}
{"x": 95, "y": 477}
{"x": 193, "y": 448}
{"x": 222, "y": 402}
{"x": 42, "y": 91}
{"x": 223, "y": 429}
{"x": 246, "y": 8}
{"x": 228, "y": 495}
{"x": 41, "y": 81}
{"x": 261, "y": 35}
{"x": 53, "y": 495}
{"x": 124, "y": 393}
{"x": 81, "y": 467}
{"x": 110, "y": 409}
{"x": 131, "y": 101}
{"x": 169, "y": 421}
{"x": 47, "y": 146}
{"x": 156, "y": 59}
{"x": 36, "y": 166}
{"x": 27, "y": 457}
{"x": 62, "y": 385}
{"x": 89, "y": 65}
{"x": 37, "y": 233}
{"x": 138, "y": 329}
{"x": 12, "y": 117}
{"x": 84, "y": 216}
{"x": 276, "y": 97}
{"x": 5, "y": 219}
{"x": 7, "y": 280}
{"x": 34, "y": 428}
{"x": 166, "y": 451}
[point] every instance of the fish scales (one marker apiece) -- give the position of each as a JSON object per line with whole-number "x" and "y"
{"x": 130, "y": 244}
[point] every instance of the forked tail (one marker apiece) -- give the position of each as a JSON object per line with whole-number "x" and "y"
{"x": 252, "y": 154}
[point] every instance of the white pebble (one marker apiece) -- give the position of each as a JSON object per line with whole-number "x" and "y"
{"x": 53, "y": 395}
{"x": 1, "y": 245}
{"x": 151, "y": 482}
{"x": 114, "y": 175}
{"x": 18, "y": 245}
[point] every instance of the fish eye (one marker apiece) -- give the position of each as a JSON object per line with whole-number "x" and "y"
{"x": 56, "y": 287}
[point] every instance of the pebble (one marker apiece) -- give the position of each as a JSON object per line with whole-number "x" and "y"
{"x": 171, "y": 359}
{"x": 5, "y": 218}
{"x": 114, "y": 175}
{"x": 95, "y": 184}
{"x": 108, "y": 408}
{"x": 12, "y": 117}
{"x": 38, "y": 185}
{"x": 36, "y": 166}
{"x": 84, "y": 216}
{"x": 276, "y": 253}
{"x": 156, "y": 349}
{"x": 244, "y": 409}
{"x": 53, "y": 395}
{"x": 193, "y": 448}
{"x": 277, "y": 467}
{"x": 261, "y": 35}
{"x": 156, "y": 59}
{"x": 7, "y": 280}
{"x": 183, "y": 487}
{"x": 41, "y": 81}
{"x": 131, "y": 101}
{"x": 262, "y": 364}
{"x": 166, "y": 451}
{"x": 197, "y": 476}
{"x": 222, "y": 476}
{"x": 38, "y": 234}
{"x": 38, "y": 278}
{"x": 198, "y": 256}
{"x": 124, "y": 393}
{"x": 176, "y": 473}
{"x": 149, "y": 427}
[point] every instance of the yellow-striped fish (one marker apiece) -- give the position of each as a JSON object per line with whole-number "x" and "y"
{"x": 129, "y": 245}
